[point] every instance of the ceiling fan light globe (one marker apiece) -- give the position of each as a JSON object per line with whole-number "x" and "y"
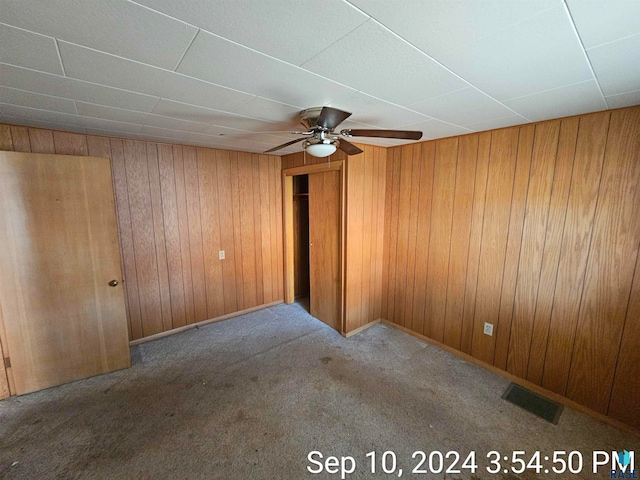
{"x": 321, "y": 149}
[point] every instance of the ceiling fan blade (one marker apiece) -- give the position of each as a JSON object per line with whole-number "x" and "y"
{"x": 331, "y": 117}
{"x": 349, "y": 148}
{"x": 400, "y": 134}
{"x": 280, "y": 147}
{"x": 263, "y": 133}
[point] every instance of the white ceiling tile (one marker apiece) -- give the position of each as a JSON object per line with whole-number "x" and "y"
{"x": 73, "y": 89}
{"x": 41, "y": 124}
{"x": 437, "y": 26}
{"x": 537, "y": 54}
{"x": 27, "y": 49}
{"x": 599, "y": 21}
{"x": 463, "y": 107}
{"x": 310, "y": 26}
{"x": 115, "y": 133}
{"x": 269, "y": 110}
{"x": 497, "y": 123}
{"x": 436, "y": 129}
{"x": 115, "y": 26}
{"x": 628, "y": 99}
{"x": 371, "y": 111}
{"x": 66, "y": 118}
{"x": 197, "y": 137}
{"x": 617, "y": 65}
{"x": 222, "y": 62}
{"x": 560, "y": 102}
{"x": 375, "y": 61}
{"x": 110, "y": 113}
{"x": 35, "y": 100}
{"x": 193, "y": 113}
{"x": 105, "y": 69}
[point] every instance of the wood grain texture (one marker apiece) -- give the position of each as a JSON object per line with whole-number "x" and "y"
{"x": 551, "y": 241}
{"x": 444, "y": 182}
{"x": 324, "y": 251}
{"x": 581, "y": 207}
{"x": 543, "y": 162}
{"x": 552, "y": 246}
{"x": 475, "y": 241}
{"x": 609, "y": 272}
{"x": 168, "y": 211}
{"x": 460, "y": 232}
{"x": 624, "y": 403}
{"x": 61, "y": 319}
{"x": 514, "y": 242}
{"x": 495, "y": 229}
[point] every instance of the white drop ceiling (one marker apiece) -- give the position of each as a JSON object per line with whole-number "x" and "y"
{"x": 227, "y": 73}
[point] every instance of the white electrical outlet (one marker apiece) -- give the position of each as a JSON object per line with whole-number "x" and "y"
{"x": 221, "y": 254}
{"x": 488, "y": 328}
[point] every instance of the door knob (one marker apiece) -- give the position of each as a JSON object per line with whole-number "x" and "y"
{"x": 113, "y": 283}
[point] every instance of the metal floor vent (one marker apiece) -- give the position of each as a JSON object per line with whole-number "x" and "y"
{"x": 534, "y": 403}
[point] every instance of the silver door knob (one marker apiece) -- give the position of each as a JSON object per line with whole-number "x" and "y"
{"x": 113, "y": 283}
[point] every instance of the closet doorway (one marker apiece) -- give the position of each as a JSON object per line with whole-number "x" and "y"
{"x": 314, "y": 240}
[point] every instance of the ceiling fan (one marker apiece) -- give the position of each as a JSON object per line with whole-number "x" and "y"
{"x": 321, "y": 141}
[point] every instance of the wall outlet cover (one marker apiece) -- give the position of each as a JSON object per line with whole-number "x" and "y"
{"x": 221, "y": 254}
{"x": 488, "y": 328}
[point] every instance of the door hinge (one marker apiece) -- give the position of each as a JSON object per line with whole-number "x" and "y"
{"x": 7, "y": 362}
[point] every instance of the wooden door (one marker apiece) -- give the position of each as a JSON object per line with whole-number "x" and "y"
{"x": 324, "y": 247}
{"x": 62, "y": 320}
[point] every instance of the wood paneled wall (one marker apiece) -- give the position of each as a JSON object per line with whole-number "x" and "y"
{"x": 177, "y": 207}
{"x": 365, "y": 215}
{"x": 535, "y": 229}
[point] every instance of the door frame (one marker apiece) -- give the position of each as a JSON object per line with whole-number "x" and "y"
{"x": 287, "y": 219}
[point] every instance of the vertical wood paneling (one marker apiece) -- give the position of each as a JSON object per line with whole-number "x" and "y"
{"x": 624, "y": 403}
{"x": 223, "y": 164}
{"x": 143, "y": 236}
{"x": 610, "y": 270}
{"x": 475, "y": 240}
{"x": 444, "y": 181}
{"x": 267, "y": 246}
{"x": 460, "y": 231}
{"x": 367, "y": 234}
{"x": 514, "y": 241}
{"x": 425, "y": 199}
{"x": 355, "y": 208}
{"x": 404, "y": 212}
{"x": 169, "y": 202}
{"x": 543, "y": 159}
{"x": 552, "y": 245}
{"x": 379, "y": 192}
{"x": 183, "y": 229}
{"x": 41, "y": 141}
{"x": 172, "y": 234}
{"x": 6, "y": 142}
{"x": 581, "y": 207}
{"x": 388, "y": 193}
{"x": 194, "y": 220}
{"x": 257, "y": 222}
{"x": 158, "y": 228}
{"x": 277, "y": 205}
{"x": 544, "y": 245}
{"x": 70, "y": 143}
{"x": 20, "y": 139}
{"x": 413, "y": 151}
{"x": 237, "y": 237}
{"x": 494, "y": 239}
{"x": 210, "y": 217}
{"x": 393, "y": 233}
{"x": 125, "y": 228}
{"x": 247, "y": 229}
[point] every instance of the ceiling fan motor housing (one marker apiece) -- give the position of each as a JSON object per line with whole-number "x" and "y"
{"x": 309, "y": 117}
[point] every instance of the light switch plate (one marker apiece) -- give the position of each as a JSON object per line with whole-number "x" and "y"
{"x": 488, "y": 328}
{"x": 221, "y": 254}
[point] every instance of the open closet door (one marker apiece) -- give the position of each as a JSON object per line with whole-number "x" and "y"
{"x": 61, "y": 294}
{"x": 324, "y": 247}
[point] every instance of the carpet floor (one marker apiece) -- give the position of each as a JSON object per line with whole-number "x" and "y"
{"x": 251, "y": 397}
